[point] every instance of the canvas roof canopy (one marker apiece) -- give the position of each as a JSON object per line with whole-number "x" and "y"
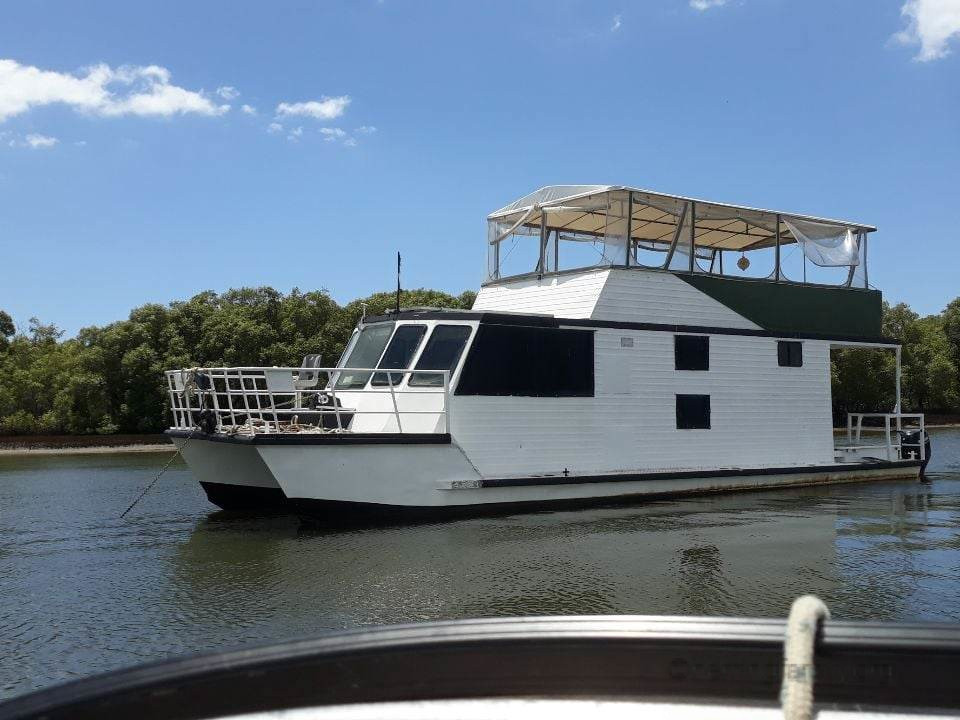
{"x": 596, "y": 211}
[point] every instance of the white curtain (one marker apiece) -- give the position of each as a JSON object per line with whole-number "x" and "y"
{"x": 824, "y": 244}
{"x": 615, "y": 230}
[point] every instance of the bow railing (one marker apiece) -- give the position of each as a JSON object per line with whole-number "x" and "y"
{"x": 256, "y": 400}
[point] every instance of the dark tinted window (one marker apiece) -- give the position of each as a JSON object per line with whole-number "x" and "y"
{"x": 441, "y": 353}
{"x": 403, "y": 346}
{"x": 693, "y": 412}
{"x": 790, "y": 353}
{"x": 529, "y": 362}
{"x": 691, "y": 352}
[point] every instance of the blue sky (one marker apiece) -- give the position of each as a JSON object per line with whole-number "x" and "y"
{"x": 130, "y": 171}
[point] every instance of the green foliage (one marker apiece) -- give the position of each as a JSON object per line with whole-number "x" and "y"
{"x": 7, "y": 329}
{"x": 110, "y": 379}
{"x": 864, "y": 380}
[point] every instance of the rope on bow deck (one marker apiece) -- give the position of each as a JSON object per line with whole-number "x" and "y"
{"x": 796, "y": 689}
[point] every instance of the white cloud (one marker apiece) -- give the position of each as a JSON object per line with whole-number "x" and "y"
{"x": 295, "y": 134}
{"x": 228, "y": 92}
{"x": 617, "y": 22}
{"x": 702, "y": 5}
{"x": 274, "y": 127}
{"x": 248, "y": 109}
{"x": 326, "y": 108}
{"x": 81, "y": 143}
{"x": 100, "y": 90}
{"x": 350, "y": 142}
{"x": 332, "y": 134}
{"x": 365, "y": 130}
{"x": 930, "y": 24}
{"x": 36, "y": 141}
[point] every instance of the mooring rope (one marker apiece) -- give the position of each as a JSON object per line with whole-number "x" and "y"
{"x": 796, "y": 689}
{"x": 162, "y": 471}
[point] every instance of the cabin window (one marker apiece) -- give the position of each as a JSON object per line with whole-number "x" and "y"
{"x": 691, "y": 352}
{"x": 442, "y": 352}
{"x": 789, "y": 353}
{"x": 693, "y": 412}
{"x": 366, "y": 351}
{"x": 403, "y": 346}
{"x": 529, "y": 362}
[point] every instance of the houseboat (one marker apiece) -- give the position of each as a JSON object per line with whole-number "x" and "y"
{"x": 625, "y": 344}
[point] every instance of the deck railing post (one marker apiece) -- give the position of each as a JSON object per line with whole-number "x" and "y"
{"x": 246, "y": 400}
{"x": 213, "y": 393}
{"x": 446, "y": 399}
{"x": 866, "y": 276}
{"x": 849, "y": 429}
{"x": 393, "y": 397}
{"x": 336, "y": 405}
{"x": 897, "y": 407}
{"x": 886, "y": 432}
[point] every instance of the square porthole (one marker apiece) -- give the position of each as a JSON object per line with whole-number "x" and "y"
{"x": 693, "y": 412}
{"x": 691, "y": 352}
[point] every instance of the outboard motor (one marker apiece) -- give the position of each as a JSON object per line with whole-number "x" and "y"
{"x": 910, "y": 446}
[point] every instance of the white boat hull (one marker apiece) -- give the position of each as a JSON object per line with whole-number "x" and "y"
{"x": 435, "y": 476}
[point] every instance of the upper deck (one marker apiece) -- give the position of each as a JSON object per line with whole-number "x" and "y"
{"x": 619, "y": 253}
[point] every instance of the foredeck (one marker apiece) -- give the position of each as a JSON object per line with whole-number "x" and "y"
{"x": 256, "y": 401}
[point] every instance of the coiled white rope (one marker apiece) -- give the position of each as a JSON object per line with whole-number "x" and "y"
{"x": 796, "y": 689}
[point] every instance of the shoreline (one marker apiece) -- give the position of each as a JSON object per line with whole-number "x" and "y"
{"x": 93, "y": 450}
{"x": 21, "y": 445}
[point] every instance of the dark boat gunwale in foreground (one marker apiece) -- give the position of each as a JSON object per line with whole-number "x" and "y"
{"x": 694, "y": 659}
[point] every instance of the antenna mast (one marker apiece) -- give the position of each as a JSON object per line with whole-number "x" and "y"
{"x": 398, "y": 282}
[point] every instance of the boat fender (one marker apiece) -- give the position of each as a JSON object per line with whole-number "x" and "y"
{"x": 207, "y": 421}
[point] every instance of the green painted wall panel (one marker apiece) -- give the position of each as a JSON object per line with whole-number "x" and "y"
{"x": 797, "y": 308}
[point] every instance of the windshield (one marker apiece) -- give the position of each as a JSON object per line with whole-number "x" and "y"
{"x": 365, "y": 354}
{"x": 403, "y": 346}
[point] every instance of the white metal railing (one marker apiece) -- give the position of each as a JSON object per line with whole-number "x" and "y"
{"x": 892, "y": 444}
{"x": 305, "y": 399}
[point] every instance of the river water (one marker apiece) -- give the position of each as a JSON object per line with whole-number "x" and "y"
{"x": 82, "y": 591}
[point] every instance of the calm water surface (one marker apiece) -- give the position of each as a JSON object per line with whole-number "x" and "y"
{"x": 82, "y": 591}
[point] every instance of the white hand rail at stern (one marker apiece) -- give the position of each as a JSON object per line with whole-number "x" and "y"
{"x": 255, "y": 400}
{"x": 892, "y": 426}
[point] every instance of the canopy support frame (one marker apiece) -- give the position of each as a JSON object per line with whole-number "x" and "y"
{"x": 776, "y": 276}
{"x": 676, "y": 237}
{"x": 693, "y": 236}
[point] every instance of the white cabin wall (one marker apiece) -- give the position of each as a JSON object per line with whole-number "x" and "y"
{"x": 661, "y": 297}
{"x": 633, "y": 295}
{"x": 570, "y": 296}
{"x": 761, "y": 414}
